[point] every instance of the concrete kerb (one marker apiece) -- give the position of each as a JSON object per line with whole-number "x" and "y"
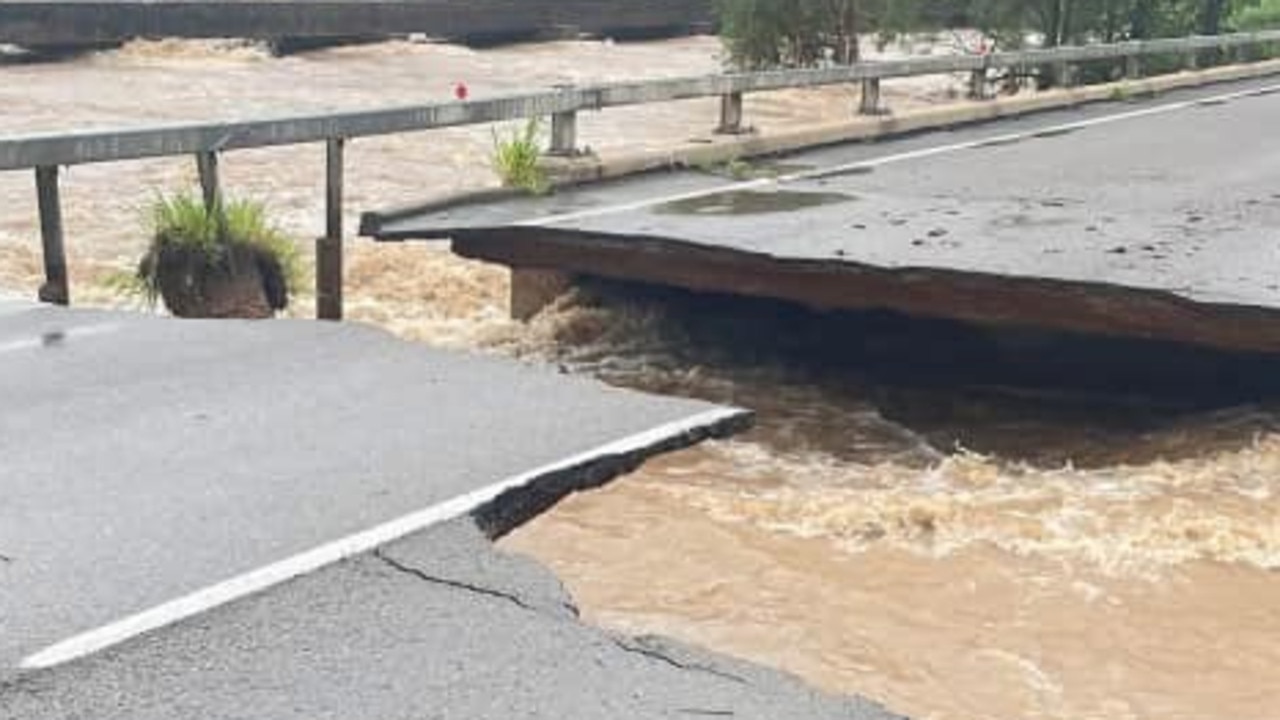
{"x": 719, "y": 149}
{"x": 725, "y": 149}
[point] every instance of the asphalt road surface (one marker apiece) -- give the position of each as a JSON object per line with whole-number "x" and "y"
{"x": 439, "y": 626}
{"x": 145, "y": 461}
{"x": 1178, "y": 194}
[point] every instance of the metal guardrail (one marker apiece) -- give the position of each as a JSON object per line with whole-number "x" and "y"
{"x": 47, "y": 152}
{"x": 29, "y": 151}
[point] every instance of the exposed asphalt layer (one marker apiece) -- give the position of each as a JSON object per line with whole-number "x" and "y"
{"x": 440, "y": 625}
{"x": 143, "y": 458}
{"x": 1185, "y": 202}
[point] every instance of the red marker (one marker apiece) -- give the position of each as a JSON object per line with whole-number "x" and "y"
{"x": 460, "y": 91}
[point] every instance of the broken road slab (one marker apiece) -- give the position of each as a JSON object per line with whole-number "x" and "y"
{"x": 1151, "y": 218}
{"x": 153, "y": 468}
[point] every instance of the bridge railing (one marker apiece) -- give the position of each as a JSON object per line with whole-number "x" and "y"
{"x": 46, "y": 153}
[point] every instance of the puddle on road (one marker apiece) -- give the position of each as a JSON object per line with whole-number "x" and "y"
{"x": 751, "y": 202}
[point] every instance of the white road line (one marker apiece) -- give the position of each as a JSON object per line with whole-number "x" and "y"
{"x": 265, "y": 577}
{"x": 895, "y": 158}
{"x": 56, "y": 337}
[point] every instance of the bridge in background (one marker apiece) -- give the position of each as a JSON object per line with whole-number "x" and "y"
{"x": 35, "y": 23}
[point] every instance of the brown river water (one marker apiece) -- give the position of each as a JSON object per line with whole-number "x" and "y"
{"x": 958, "y": 524}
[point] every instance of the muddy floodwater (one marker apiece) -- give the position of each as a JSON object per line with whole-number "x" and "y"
{"x": 959, "y": 524}
{"x": 902, "y": 525}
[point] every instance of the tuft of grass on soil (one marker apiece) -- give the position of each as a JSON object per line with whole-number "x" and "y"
{"x": 516, "y": 159}
{"x": 181, "y": 223}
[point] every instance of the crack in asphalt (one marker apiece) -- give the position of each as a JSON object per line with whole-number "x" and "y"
{"x": 654, "y": 653}
{"x": 630, "y": 645}
{"x": 456, "y": 584}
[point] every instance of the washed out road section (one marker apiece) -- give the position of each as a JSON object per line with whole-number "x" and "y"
{"x": 1148, "y": 218}
{"x": 144, "y": 458}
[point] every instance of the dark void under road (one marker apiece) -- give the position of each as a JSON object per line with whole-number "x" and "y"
{"x": 1151, "y": 218}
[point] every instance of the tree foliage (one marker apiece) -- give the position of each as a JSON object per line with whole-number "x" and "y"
{"x": 797, "y": 33}
{"x": 1260, "y": 15}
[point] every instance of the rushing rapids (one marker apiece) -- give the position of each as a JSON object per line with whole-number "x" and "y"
{"x": 905, "y": 529}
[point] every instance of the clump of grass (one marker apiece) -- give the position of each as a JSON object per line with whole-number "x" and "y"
{"x": 516, "y": 159}
{"x": 193, "y": 244}
{"x": 1121, "y": 93}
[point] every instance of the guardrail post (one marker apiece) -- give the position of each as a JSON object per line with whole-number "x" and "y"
{"x": 978, "y": 85}
{"x": 210, "y": 187}
{"x": 1224, "y": 55}
{"x": 564, "y": 133}
{"x": 978, "y": 80}
{"x": 55, "y": 288}
{"x": 1132, "y": 67}
{"x": 329, "y": 248}
{"x": 870, "y": 104}
{"x": 1191, "y": 61}
{"x": 730, "y": 114}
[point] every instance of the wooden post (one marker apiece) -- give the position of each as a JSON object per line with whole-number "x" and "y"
{"x": 329, "y": 248}
{"x": 564, "y": 133}
{"x": 55, "y": 288}
{"x": 870, "y": 104}
{"x": 210, "y": 188}
{"x": 730, "y": 114}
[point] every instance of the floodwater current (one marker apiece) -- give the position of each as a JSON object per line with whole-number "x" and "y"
{"x": 901, "y": 525}
{"x": 958, "y": 524}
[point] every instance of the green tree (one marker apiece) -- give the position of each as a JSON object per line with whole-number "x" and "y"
{"x": 796, "y": 33}
{"x": 762, "y": 34}
{"x": 1259, "y": 15}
